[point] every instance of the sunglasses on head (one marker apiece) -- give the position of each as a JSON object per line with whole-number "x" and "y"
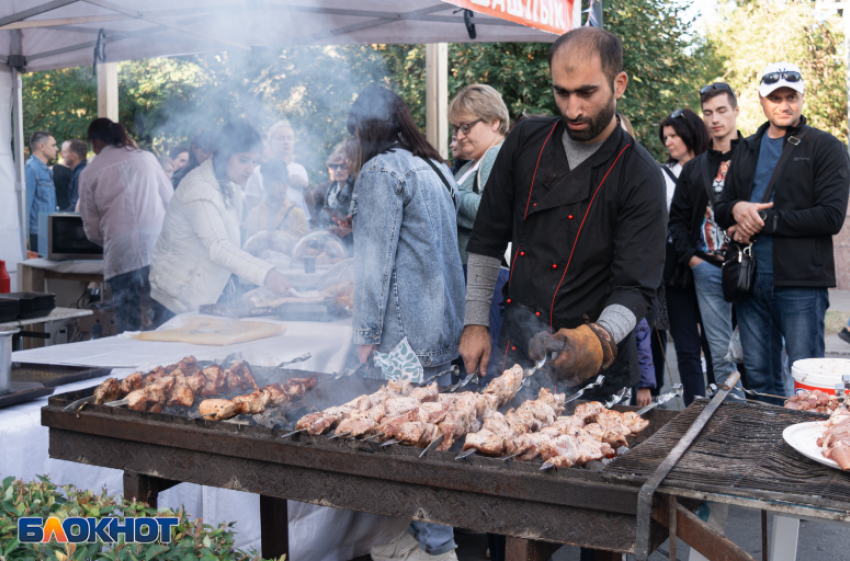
{"x": 788, "y": 75}
{"x": 722, "y": 86}
{"x": 677, "y": 113}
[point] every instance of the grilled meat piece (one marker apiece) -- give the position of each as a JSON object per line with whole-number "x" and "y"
{"x": 218, "y": 409}
{"x": 108, "y": 390}
{"x": 232, "y": 381}
{"x": 604, "y": 434}
{"x": 216, "y": 379}
{"x": 815, "y": 400}
{"x": 417, "y": 434}
{"x": 181, "y": 395}
{"x": 189, "y": 365}
{"x": 505, "y": 386}
{"x": 308, "y": 383}
{"x": 486, "y": 442}
{"x": 246, "y": 379}
{"x": 562, "y": 451}
{"x": 157, "y": 373}
{"x": 137, "y": 400}
{"x": 427, "y": 393}
{"x": 132, "y": 382}
{"x": 253, "y": 403}
{"x": 196, "y": 382}
{"x": 399, "y": 388}
{"x": 399, "y": 405}
{"x": 277, "y": 394}
{"x": 586, "y": 410}
{"x": 635, "y": 422}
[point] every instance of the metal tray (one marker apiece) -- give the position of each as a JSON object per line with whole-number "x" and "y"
{"x": 53, "y": 375}
{"x": 23, "y": 392}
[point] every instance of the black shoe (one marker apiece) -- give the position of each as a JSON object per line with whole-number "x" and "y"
{"x": 845, "y": 335}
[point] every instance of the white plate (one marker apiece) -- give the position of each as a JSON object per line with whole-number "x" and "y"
{"x": 803, "y": 438}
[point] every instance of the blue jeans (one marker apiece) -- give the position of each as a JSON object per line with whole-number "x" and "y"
{"x": 433, "y": 539}
{"x": 716, "y": 316}
{"x": 768, "y": 315}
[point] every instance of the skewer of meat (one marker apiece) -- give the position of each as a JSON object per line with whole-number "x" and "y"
{"x": 835, "y": 443}
{"x": 255, "y": 402}
{"x": 816, "y": 400}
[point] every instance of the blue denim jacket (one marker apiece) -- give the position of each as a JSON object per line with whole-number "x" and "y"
{"x": 408, "y": 280}
{"x": 41, "y": 193}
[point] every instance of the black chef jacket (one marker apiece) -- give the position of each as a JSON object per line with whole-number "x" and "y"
{"x": 614, "y": 202}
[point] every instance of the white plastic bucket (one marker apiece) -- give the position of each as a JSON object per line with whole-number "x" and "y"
{"x": 819, "y": 374}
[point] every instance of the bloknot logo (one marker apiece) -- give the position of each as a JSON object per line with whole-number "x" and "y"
{"x": 91, "y": 530}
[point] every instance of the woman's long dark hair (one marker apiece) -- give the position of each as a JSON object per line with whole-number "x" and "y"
{"x": 110, "y": 133}
{"x": 690, "y": 129}
{"x": 383, "y": 120}
{"x": 236, "y": 136}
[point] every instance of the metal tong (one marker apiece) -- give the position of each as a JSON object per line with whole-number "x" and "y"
{"x": 677, "y": 391}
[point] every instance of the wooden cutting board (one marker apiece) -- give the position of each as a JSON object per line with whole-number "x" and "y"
{"x": 214, "y": 331}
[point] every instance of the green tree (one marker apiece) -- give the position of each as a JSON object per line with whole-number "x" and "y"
{"x": 749, "y": 37}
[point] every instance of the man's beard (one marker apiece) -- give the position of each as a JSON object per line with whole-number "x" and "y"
{"x": 596, "y": 123}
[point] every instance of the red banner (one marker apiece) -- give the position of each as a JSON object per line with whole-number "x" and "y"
{"x": 553, "y": 16}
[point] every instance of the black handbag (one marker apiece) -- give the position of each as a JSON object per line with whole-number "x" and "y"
{"x": 739, "y": 267}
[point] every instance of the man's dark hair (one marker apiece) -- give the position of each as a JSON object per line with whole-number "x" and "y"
{"x": 689, "y": 127}
{"x": 384, "y": 121}
{"x": 79, "y": 147}
{"x": 589, "y": 41}
{"x": 37, "y": 138}
{"x": 109, "y": 133}
{"x": 714, "y": 92}
{"x": 176, "y": 151}
{"x": 275, "y": 171}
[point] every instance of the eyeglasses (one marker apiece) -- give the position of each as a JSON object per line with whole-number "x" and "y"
{"x": 677, "y": 113}
{"x": 788, "y": 75}
{"x": 336, "y": 166}
{"x": 722, "y": 86}
{"x": 465, "y": 128}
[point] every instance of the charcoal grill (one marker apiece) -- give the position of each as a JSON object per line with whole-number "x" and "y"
{"x": 537, "y": 510}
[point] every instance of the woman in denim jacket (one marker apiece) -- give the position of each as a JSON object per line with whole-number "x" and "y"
{"x": 408, "y": 278}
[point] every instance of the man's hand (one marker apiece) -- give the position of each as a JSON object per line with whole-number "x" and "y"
{"x": 365, "y": 351}
{"x": 475, "y": 348}
{"x": 747, "y": 217}
{"x": 694, "y": 261}
{"x": 737, "y": 235}
{"x": 278, "y": 283}
{"x": 644, "y": 397}
{"x": 579, "y": 354}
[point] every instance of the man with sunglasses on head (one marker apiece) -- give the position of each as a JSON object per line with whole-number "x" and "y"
{"x": 697, "y": 238}
{"x": 785, "y": 193}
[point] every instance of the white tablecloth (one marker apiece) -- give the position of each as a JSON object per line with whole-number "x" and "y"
{"x": 315, "y": 533}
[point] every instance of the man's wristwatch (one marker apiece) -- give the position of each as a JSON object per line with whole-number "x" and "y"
{"x": 763, "y": 214}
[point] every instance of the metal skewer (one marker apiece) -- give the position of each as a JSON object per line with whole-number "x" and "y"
{"x": 466, "y": 454}
{"x": 118, "y": 403}
{"x": 454, "y": 370}
{"x": 618, "y": 397}
{"x": 533, "y": 370}
{"x": 434, "y": 443}
{"x": 339, "y": 435}
{"x": 579, "y": 393}
{"x": 390, "y": 442}
{"x": 677, "y": 391}
{"x": 79, "y": 403}
{"x": 512, "y": 456}
{"x": 548, "y": 464}
{"x": 293, "y": 433}
{"x": 302, "y": 358}
{"x": 379, "y": 435}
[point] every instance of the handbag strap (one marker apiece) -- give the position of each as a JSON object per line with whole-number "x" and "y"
{"x": 443, "y": 179}
{"x": 790, "y": 143}
{"x": 669, "y": 172}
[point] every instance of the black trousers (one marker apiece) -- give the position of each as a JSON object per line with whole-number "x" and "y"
{"x": 34, "y": 242}
{"x": 689, "y": 338}
{"x": 129, "y": 292}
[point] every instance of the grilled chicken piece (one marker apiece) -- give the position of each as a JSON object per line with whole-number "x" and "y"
{"x": 157, "y": 373}
{"x": 189, "y": 365}
{"x": 399, "y": 405}
{"x": 181, "y": 395}
{"x": 485, "y": 403}
{"x": 485, "y": 442}
{"x": 232, "y": 381}
{"x": 277, "y": 394}
{"x": 540, "y": 411}
{"x": 586, "y": 410}
{"x": 602, "y": 433}
{"x": 391, "y": 424}
{"x": 432, "y": 412}
{"x": 505, "y": 386}
{"x": 196, "y": 382}
{"x": 528, "y": 445}
{"x": 308, "y": 383}
{"x": 218, "y": 409}
{"x": 246, "y": 379}
{"x": 635, "y": 422}
{"x": 319, "y": 422}
{"x": 399, "y": 388}
{"x": 417, "y": 434}
{"x": 816, "y": 400}
{"x": 216, "y": 378}
{"x": 427, "y": 393}
{"x": 137, "y": 400}
{"x": 108, "y": 390}
{"x": 132, "y": 382}
{"x": 555, "y": 401}
{"x": 563, "y": 451}
{"x": 362, "y": 423}
{"x": 253, "y": 403}
{"x": 591, "y": 449}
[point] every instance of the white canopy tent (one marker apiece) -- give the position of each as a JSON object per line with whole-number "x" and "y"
{"x": 37, "y": 35}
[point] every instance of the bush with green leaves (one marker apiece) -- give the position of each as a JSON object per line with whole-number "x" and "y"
{"x": 190, "y": 540}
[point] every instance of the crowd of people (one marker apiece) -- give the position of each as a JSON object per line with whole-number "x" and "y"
{"x": 547, "y": 241}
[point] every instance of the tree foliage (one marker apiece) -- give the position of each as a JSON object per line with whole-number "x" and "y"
{"x": 750, "y": 36}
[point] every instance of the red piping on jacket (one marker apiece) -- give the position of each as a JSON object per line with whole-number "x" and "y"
{"x": 575, "y": 243}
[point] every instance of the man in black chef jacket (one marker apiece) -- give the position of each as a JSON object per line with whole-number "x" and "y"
{"x": 583, "y": 206}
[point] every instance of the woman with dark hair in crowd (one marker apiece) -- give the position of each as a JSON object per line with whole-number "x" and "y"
{"x": 198, "y": 256}
{"x": 200, "y": 151}
{"x": 684, "y": 135}
{"x": 408, "y": 281}
{"x": 123, "y": 197}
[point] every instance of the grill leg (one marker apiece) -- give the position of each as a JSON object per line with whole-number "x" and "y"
{"x": 274, "y": 527}
{"x": 517, "y": 549}
{"x": 145, "y": 488}
{"x": 713, "y": 545}
{"x": 764, "y": 556}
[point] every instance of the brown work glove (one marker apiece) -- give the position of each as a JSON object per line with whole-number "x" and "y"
{"x": 579, "y": 354}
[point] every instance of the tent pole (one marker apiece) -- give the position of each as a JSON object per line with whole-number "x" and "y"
{"x": 437, "y": 96}
{"x": 18, "y": 132}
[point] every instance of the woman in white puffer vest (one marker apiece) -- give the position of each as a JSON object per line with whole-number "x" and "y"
{"x": 199, "y": 249}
